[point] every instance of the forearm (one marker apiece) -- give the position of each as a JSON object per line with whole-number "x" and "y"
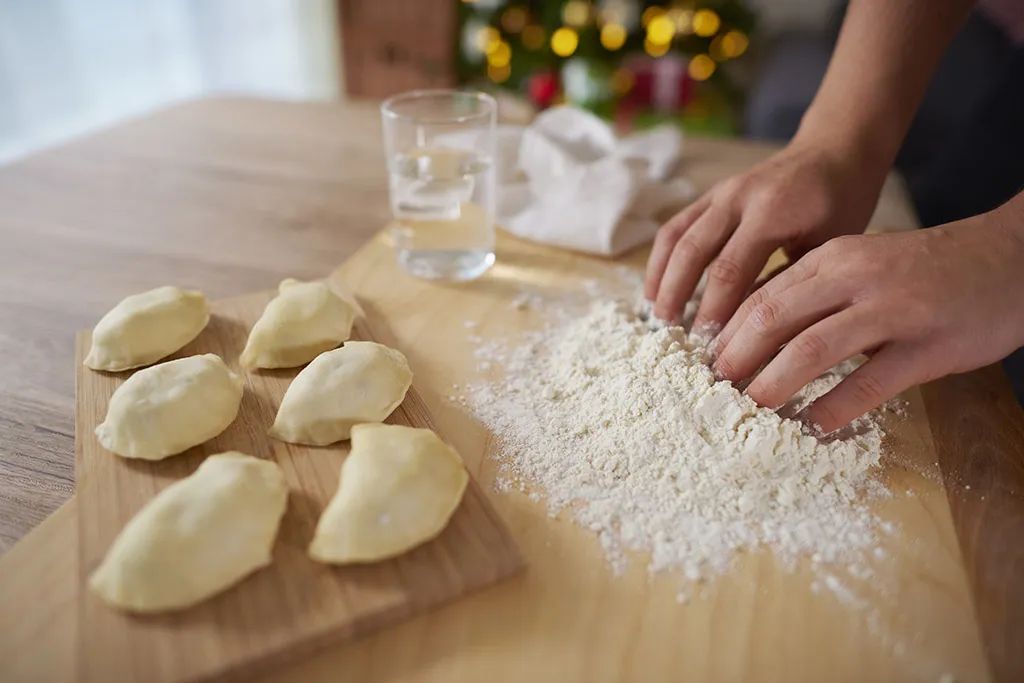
{"x": 884, "y": 58}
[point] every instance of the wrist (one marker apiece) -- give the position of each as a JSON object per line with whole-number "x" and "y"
{"x": 1007, "y": 225}
{"x": 1004, "y": 226}
{"x": 862, "y": 148}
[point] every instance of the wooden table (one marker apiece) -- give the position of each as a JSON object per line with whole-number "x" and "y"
{"x": 228, "y": 196}
{"x": 231, "y": 196}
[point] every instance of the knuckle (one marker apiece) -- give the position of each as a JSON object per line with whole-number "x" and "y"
{"x": 766, "y": 391}
{"x": 802, "y": 269}
{"x": 756, "y": 297}
{"x": 866, "y": 389}
{"x": 766, "y": 315}
{"x": 770, "y": 197}
{"x": 670, "y": 231}
{"x": 725, "y": 270}
{"x": 731, "y": 187}
{"x": 845, "y": 245}
{"x": 824, "y": 416}
{"x": 809, "y": 348}
{"x": 689, "y": 250}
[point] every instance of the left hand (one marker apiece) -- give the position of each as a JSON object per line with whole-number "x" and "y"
{"x": 920, "y": 304}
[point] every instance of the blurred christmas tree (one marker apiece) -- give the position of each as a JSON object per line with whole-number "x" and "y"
{"x": 634, "y": 62}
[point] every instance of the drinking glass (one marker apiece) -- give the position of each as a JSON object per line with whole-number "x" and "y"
{"x": 440, "y": 159}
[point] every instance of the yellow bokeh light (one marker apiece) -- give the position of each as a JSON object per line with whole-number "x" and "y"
{"x": 613, "y": 36}
{"x": 655, "y": 49}
{"x": 498, "y": 74}
{"x": 650, "y": 13}
{"x": 701, "y": 67}
{"x": 564, "y": 41}
{"x": 533, "y": 37}
{"x": 513, "y": 19}
{"x": 500, "y": 56}
{"x": 683, "y": 19}
{"x": 488, "y": 39}
{"x": 622, "y": 81}
{"x": 716, "y": 51}
{"x": 576, "y": 12}
{"x": 734, "y": 43}
{"x": 706, "y": 23}
{"x": 661, "y": 30}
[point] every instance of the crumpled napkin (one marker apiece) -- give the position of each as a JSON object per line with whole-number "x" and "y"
{"x": 568, "y": 181}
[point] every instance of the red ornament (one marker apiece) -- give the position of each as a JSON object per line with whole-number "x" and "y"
{"x": 542, "y": 88}
{"x": 660, "y": 83}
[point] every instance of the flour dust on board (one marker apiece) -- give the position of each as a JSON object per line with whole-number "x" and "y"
{"x": 621, "y": 424}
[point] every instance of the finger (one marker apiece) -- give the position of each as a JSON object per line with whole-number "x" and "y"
{"x": 665, "y": 240}
{"x": 820, "y": 347}
{"x": 800, "y": 271}
{"x": 775, "y": 321}
{"x": 890, "y": 371}
{"x": 731, "y": 275}
{"x": 689, "y": 258}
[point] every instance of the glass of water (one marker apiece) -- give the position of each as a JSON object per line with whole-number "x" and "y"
{"x": 440, "y": 158}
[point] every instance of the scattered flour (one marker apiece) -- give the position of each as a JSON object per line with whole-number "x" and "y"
{"x": 622, "y": 424}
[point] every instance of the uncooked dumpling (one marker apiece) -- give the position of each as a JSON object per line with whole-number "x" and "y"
{"x": 360, "y": 382}
{"x": 171, "y": 407}
{"x": 302, "y": 321}
{"x": 146, "y": 327}
{"x": 196, "y": 537}
{"x": 398, "y": 488}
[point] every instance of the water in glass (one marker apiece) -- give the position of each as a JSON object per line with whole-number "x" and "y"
{"x": 441, "y": 199}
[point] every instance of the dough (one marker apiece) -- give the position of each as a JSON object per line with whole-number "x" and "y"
{"x": 196, "y": 537}
{"x": 146, "y": 327}
{"x": 302, "y": 321}
{"x": 360, "y": 382}
{"x": 398, "y": 488}
{"x": 171, "y": 407}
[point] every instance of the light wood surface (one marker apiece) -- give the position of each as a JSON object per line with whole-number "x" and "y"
{"x": 294, "y": 606}
{"x": 224, "y": 195}
{"x": 228, "y": 196}
{"x": 584, "y": 627}
{"x": 978, "y": 428}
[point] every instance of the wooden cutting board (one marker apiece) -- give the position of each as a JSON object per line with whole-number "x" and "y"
{"x": 569, "y": 618}
{"x": 293, "y": 606}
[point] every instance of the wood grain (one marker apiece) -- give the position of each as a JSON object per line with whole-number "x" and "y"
{"x": 228, "y": 196}
{"x": 979, "y": 436}
{"x": 152, "y": 199}
{"x": 225, "y": 195}
{"x": 292, "y": 607}
{"x": 39, "y": 602}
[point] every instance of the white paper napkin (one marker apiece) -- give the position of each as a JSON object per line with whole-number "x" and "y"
{"x": 568, "y": 181}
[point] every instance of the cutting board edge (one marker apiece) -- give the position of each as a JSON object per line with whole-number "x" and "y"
{"x": 506, "y": 565}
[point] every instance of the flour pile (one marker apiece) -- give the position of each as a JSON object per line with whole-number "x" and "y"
{"x": 625, "y": 427}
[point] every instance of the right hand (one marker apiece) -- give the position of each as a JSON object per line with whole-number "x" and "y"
{"x": 797, "y": 199}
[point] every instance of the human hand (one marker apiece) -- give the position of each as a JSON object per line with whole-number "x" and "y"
{"x": 920, "y": 304}
{"x": 797, "y": 199}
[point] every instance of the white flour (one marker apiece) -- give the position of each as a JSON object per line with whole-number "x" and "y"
{"x": 626, "y": 428}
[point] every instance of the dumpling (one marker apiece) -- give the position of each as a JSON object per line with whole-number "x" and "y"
{"x": 302, "y": 321}
{"x": 196, "y": 537}
{"x": 146, "y": 327}
{"x": 171, "y": 407}
{"x": 398, "y": 488}
{"x": 360, "y": 382}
